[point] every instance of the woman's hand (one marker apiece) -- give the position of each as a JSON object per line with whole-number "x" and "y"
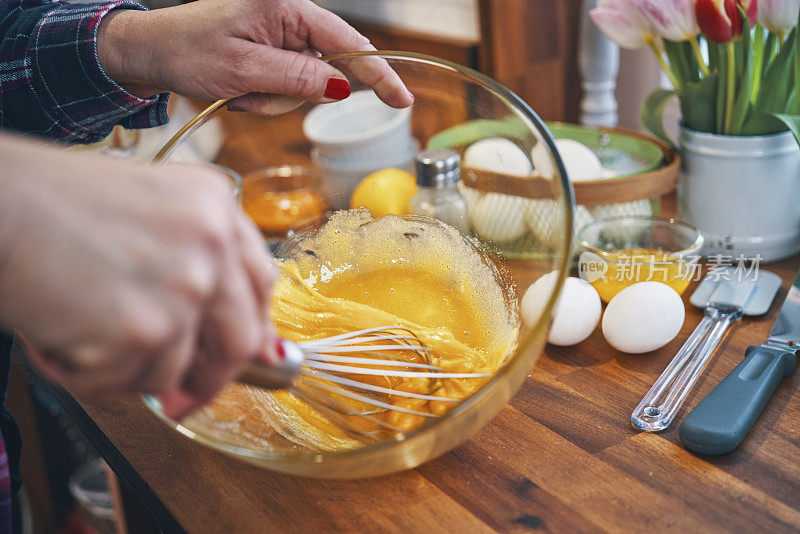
{"x": 213, "y": 49}
{"x": 125, "y": 278}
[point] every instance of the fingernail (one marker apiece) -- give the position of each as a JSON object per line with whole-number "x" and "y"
{"x": 412, "y": 95}
{"x": 337, "y": 89}
{"x": 235, "y": 108}
{"x": 279, "y": 350}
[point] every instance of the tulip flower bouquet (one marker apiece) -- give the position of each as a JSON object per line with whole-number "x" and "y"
{"x": 733, "y": 64}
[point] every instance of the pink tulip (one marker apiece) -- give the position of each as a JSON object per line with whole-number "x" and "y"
{"x": 778, "y": 16}
{"x": 672, "y": 19}
{"x": 623, "y": 22}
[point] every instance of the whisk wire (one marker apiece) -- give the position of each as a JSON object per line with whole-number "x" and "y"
{"x": 407, "y": 340}
{"x": 367, "y": 400}
{"x": 332, "y": 410}
{"x": 361, "y": 348}
{"x": 360, "y": 333}
{"x": 386, "y": 372}
{"x": 377, "y": 389}
{"x": 329, "y": 358}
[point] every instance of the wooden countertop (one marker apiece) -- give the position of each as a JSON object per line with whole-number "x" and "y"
{"x": 562, "y": 456}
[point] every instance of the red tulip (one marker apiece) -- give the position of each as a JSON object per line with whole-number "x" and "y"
{"x": 720, "y": 21}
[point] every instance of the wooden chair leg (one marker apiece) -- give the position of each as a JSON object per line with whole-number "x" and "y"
{"x": 34, "y": 473}
{"x": 131, "y": 518}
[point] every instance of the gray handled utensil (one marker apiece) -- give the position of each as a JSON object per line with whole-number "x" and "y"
{"x": 726, "y": 294}
{"x": 723, "y": 418}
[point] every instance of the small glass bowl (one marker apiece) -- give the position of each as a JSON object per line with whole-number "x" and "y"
{"x": 617, "y": 252}
{"x": 282, "y": 199}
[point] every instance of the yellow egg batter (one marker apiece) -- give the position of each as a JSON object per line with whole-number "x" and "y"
{"x": 358, "y": 273}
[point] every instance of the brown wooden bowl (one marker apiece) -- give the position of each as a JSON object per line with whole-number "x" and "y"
{"x": 647, "y": 185}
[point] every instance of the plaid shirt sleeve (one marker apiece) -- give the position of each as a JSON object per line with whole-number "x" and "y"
{"x": 51, "y": 82}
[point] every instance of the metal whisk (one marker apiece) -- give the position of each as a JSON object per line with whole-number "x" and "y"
{"x": 358, "y": 367}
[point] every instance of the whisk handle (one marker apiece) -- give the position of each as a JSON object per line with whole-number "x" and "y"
{"x": 274, "y": 377}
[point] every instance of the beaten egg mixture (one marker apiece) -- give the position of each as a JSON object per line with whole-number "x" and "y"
{"x": 358, "y": 273}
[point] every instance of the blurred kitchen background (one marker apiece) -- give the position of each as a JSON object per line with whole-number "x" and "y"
{"x": 532, "y": 47}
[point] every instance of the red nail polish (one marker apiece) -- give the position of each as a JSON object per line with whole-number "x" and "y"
{"x": 337, "y": 89}
{"x": 279, "y": 349}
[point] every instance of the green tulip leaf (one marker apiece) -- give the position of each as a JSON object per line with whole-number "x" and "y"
{"x": 795, "y": 106}
{"x": 792, "y": 122}
{"x": 676, "y": 61}
{"x": 770, "y": 49}
{"x": 713, "y": 56}
{"x": 739, "y": 52}
{"x": 741, "y": 105}
{"x": 682, "y": 61}
{"x": 653, "y": 112}
{"x": 698, "y": 104}
{"x": 763, "y": 124}
{"x": 691, "y": 61}
{"x": 778, "y": 78}
{"x": 758, "y": 62}
{"x": 721, "y": 90}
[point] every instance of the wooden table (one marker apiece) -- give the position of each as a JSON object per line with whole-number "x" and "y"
{"x": 562, "y": 456}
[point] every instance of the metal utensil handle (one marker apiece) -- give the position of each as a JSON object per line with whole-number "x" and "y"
{"x": 274, "y": 377}
{"x": 659, "y": 406}
{"x": 723, "y": 418}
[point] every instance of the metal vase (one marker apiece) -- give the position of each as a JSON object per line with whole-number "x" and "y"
{"x": 743, "y": 192}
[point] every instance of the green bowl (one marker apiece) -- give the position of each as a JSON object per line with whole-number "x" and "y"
{"x": 622, "y": 153}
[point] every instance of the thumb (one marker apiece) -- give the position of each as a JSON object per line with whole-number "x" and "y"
{"x": 284, "y": 72}
{"x": 265, "y": 104}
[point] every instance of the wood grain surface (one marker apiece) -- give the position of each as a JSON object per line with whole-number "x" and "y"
{"x": 561, "y": 457}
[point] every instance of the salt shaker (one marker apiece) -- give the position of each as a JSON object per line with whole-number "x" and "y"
{"x": 438, "y": 172}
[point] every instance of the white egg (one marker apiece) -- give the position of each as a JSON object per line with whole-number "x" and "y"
{"x": 576, "y": 314}
{"x": 636, "y": 208}
{"x": 643, "y": 317}
{"x": 581, "y": 163}
{"x": 499, "y": 218}
{"x": 543, "y": 160}
{"x": 497, "y": 154}
{"x": 545, "y": 221}
{"x": 471, "y": 196}
{"x": 535, "y": 298}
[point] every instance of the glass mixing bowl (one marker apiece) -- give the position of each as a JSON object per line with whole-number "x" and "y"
{"x": 343, "y": 142}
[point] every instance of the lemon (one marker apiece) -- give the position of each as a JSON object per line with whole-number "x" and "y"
{"x": 385, "y": 192}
